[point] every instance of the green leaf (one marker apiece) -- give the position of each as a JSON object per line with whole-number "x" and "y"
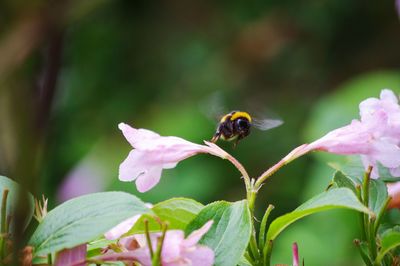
{"x": 12, "y": 199}
{"x": 244, "y": 262}
{"x": 364, "y": 251}
{"x": 230, "y": 233}
{"x": 377, "y": 195}
{"x": 331, "y": 199}
{"x": 385, "y": 175}
{"x": 350, "y": 166}
{"x": 83, "y": 219}
{"x": 179, "y": 212}
{"x": 390, "y": 240}
{"x": 341, "y": 180}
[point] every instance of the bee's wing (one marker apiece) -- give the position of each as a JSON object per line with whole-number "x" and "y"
{"x": 265, "y": 124}
{"x": 213, "y": 106}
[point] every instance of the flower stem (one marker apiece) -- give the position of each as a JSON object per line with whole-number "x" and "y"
{"x": 49, "y": 260}
{"x": 156, "y": 260}
{"x": 261, "y": 236}
{"x": 267, "y": 253}
{"x": 362, "y": 224}
{"x": 294, "y": 154}
{"x": 217, "y": 151}
{"x": 3, "y": 223}
{"x": 148, "y": 240}
{"x": 249, "y": 258}
{"x": 242, "y": 170}
{"x": 364, "y": 255}
{"x": 380, "y": 214}
{"x": 372, "y": 237}
{"x": 365, "y": 184}
{"x": 369, "y": 220}
{"x": 251, "y": 199}
{"x": 253, "y": 246}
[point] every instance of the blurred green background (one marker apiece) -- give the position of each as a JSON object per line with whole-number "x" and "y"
{"x": 70, "y": 71}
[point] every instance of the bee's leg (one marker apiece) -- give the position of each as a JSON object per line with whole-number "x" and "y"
{"x": 235, "y": 143}
{"x": 216, "y": 136}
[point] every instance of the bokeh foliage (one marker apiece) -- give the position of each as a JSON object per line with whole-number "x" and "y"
{"x": 152, "y": 64}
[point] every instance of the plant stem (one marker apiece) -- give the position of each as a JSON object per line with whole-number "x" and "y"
{"x": 3, "y": 223}
{"x": 49, "y": 260}
{"x": 380, "y": 215}
{"x": 267, "y": 253}
{"x": 249, "y": 258}
{"x": 156, "y": 260}
{"x": 295, "y": 153}
{"x": 365, "y": 184}
{"x": 361, "y": 215}
{"x": 372, "y": 238}
{"x": 363, "y": 253}
{"x": 148, "y": 240}
{"x": 223, "y": 154}
{"x": 251, "y": 199}
{"x": 369, "y": 221}
{"x": 261, "y": 236}
{"x": 253, "y": 246}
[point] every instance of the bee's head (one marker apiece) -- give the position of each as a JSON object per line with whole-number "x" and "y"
{"x": 243, "y": 125}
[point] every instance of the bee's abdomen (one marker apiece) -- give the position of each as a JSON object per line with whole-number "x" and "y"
{"x": 226, "y": 130}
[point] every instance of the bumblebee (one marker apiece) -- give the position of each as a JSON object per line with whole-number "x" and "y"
{"x": 236, "y": 125}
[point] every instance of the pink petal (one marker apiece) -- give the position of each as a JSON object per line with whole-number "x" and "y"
{"x": 368, "y": 107}
{"x": 134, "y": 135}
{"x": 387, "y": 153}
{"x": 141, "y": 255}
{"x": 141, "y": 240}
{"x": 149, "y": 179}
{"x": 168, "y": 153}
{"x": 367, "y": 162}
{"x": 87, "y": 177}
{"x": 350, "y": 139}
{"x": 388, "y": 95}
{"x": 121, "y": 228}
{"x": 133, "y": 166}
{"x": 398, "y": 7}
{"x": 74, "y": 256}
{"x": 394, "y": 189}
{"x": 196, "y": 235}
{"x": 200, "y": 256}
{"x": 215, "y": 150}
{"x": 169, "y": 165}
{"x": 395, "y": 172}
{"x": 172, "y": 245}
{"x": 394, "y": 192}
{"x": 295, "y": 254}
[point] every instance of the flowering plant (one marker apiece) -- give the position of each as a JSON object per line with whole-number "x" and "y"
{"x": 116, "y": 227}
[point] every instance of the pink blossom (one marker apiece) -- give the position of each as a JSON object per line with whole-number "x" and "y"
{"x": 123, "y": 227}
{"x": 176, "y": 250}
{"x": 74, "y": 256}
{"x": 398, "y": 7}
{"x": 376, "y": 136}
{"x": 295, "y": 254}
{"x": 152, "y": 153}
{"x": 394, "y": 192}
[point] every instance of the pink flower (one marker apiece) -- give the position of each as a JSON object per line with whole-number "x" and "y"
{"x": 398, "y": 7}
{"x": 376, "y": 136}
{"x": 295, "y": 250}
{"x": 152, "y": 153}
{"x": 74, "y": 256}
{"x": 176, "y": 250}
{"x": 394, "y": 192}
{"x": 123, "y": 227}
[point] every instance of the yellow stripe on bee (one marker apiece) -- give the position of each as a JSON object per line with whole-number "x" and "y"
{"x": 223, "y": 119}
{"x": 241, "y": 114}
